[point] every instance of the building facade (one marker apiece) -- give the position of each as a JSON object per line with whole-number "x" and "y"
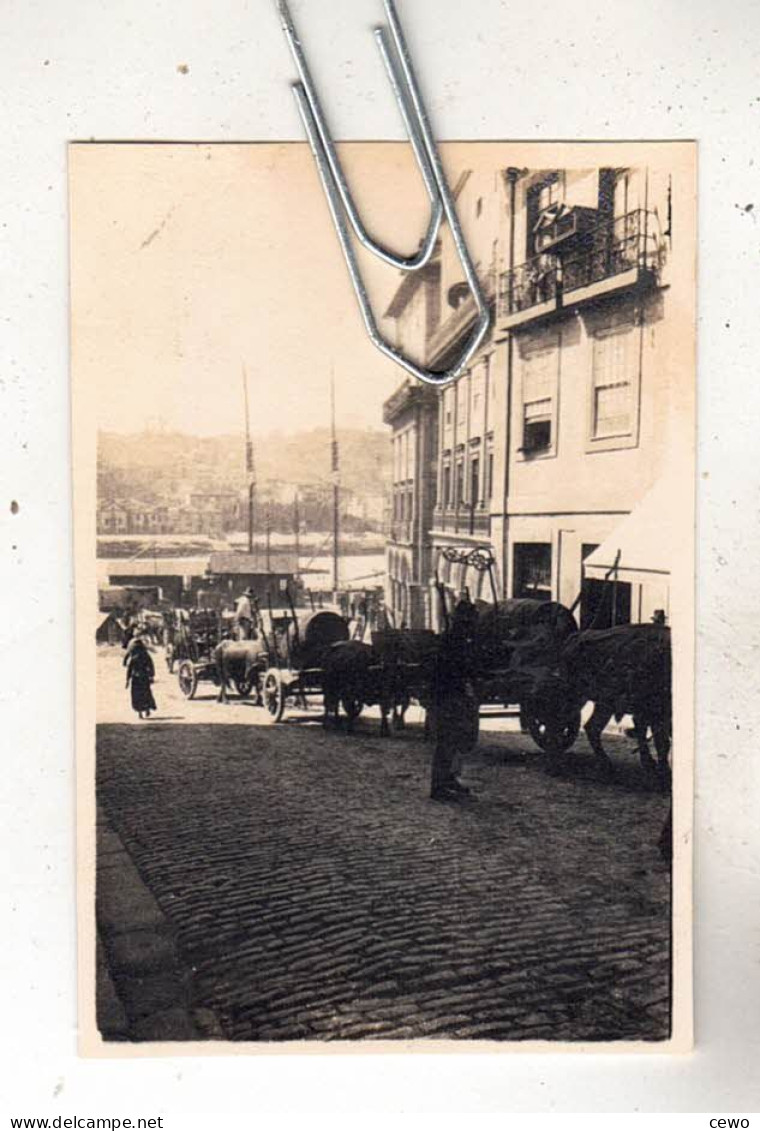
{"x": 561, "y": 425}
{"x": 412, "y": 414}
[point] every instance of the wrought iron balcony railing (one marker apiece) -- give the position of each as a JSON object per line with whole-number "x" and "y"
{"x": 465, "y": 520}
{"x": 610, "y": 248}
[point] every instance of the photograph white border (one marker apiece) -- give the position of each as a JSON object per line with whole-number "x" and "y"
{"x": 614, "y": 71}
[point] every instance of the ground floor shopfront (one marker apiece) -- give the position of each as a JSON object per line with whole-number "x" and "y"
{"x": 557, "y": 557}
{"x": 407, "y": 595}
{"x": 609, "y": 568}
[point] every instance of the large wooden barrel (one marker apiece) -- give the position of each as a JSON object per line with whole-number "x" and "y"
{"x": 523, "y": 631}
{"x": 316, "y": 632}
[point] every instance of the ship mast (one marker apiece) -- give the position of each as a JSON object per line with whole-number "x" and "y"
{"x": 335, "y": 469}
{"x": 250, "y": 465}
{"x": 297, "y": 528}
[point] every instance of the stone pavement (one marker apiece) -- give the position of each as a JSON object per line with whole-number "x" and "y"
{"x": 298, "y": 884}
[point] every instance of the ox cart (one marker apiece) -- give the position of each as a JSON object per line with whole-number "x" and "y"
{"x": 190, "y": 637}
{"x": 518, "y": 651}
{"x": 296, "y": 644}
{"x": 516, "y": 648}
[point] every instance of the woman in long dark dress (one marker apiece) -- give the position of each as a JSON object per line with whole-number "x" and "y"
{"x": 140, "y": 674}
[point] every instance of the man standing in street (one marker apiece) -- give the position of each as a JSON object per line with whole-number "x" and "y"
{"x": 243, "y": 618}
{"x": 454, "y": 708}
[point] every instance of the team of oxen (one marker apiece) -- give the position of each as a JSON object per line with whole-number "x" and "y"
{"x": 517, "y": 652}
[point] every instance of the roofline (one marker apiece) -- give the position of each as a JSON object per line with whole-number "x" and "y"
{"x": 411, "y": 279}
{"x": 409, "y": 394}
{"x": 410, "y": 283}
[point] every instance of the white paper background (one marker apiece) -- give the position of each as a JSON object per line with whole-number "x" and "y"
{"x": 607, "y": 69}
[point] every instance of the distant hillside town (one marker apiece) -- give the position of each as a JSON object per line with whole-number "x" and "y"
{"x": 168, "y": 483}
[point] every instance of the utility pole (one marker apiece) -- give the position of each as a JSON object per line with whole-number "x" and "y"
{"x": 297, "y": 529}
{"x": 269, "y": 536}
{"x": 250, "y": 466}
{"x": 335, "y": 468}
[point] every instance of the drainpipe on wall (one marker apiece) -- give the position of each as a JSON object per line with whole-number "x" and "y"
{"x": 511, "y": 175}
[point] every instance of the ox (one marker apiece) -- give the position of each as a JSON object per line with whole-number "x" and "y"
{"x": 239, "y": 662}
{"x": 355, "y": 676}
{"x": 409, "y": 658}
{"x": 624, "y": 671}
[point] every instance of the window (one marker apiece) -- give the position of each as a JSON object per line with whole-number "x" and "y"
{"x": 489, "y": 476}
{"x": 539, "y": 377}
{"x": 474, "y": 481}
{"x": 548, "y": 194}
{"x": 539, "y": 197}
{"x": 479, "y": 206}
{"x": 446, "y": 499}
{"x": 460, "y": 485}
{"x": 607, "y": 181}
{"x": 533, "y": 570}
{"x": 612, "y": 392}
{"x": 622, "y": 198}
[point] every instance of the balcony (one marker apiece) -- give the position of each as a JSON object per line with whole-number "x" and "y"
{"x": 625, "y": 250}
{"x": 465, "y": 520}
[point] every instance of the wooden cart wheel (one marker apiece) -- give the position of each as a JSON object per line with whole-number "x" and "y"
{"x": 552, "y": 737}
{"x": 274, "y": 695}
{"x": 187, "y": 677}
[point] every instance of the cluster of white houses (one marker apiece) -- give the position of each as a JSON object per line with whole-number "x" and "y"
{"x": 548, "y": 447}
{"x": 215, "y": 513}
{"x": 210, "y": 514}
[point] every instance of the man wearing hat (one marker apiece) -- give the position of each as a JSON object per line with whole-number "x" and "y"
{"x": 243, "y": 619}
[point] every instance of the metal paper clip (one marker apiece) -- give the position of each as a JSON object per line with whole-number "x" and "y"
{"x": 401, "y": 75}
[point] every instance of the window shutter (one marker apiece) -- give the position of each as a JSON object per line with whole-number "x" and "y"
{"x": 613, "y": 369}
{"x": 538, "y": 411}
{"x": 538, "y": 377}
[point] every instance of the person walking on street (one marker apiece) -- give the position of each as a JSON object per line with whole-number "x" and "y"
{"x": 140, "y": 674}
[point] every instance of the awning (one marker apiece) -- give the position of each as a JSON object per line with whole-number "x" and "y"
{"x": 645, "y": 541}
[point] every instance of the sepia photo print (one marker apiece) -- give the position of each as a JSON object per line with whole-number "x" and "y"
{"x": 385, "y": 690}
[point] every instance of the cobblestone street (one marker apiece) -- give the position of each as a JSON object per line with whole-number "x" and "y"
{"x": 300, "y": 883}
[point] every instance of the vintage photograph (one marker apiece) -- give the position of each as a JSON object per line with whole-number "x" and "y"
{"x": 385, "y": 689}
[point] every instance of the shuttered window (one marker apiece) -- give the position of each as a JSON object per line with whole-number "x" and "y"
{"x": 460, "y": 485}
{"x": 614, "y": 368}
{"x": 539, "y": 380}
{"x": 474, "y": 481}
